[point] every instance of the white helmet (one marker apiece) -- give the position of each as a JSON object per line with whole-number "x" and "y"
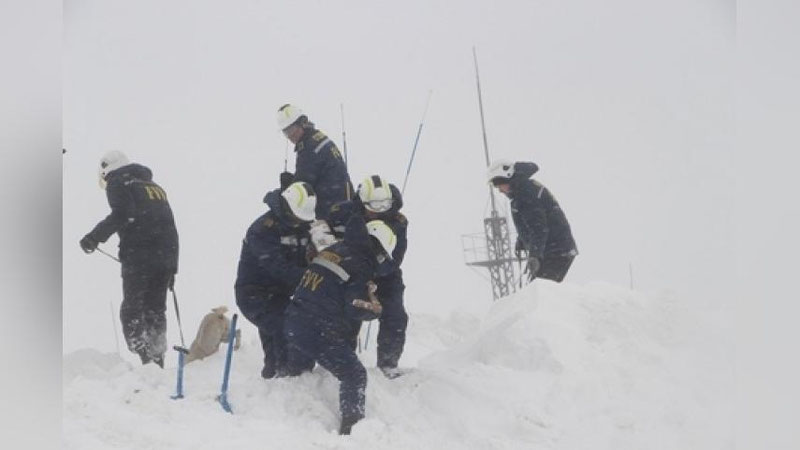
{"x": 110, "y": 162}
{"x": 375, "y": 194}
{"x": 302, "y": 200}
{"x": 380, "y": 231}
{"x": 501, "y": 168}
{"x": 287, "y": 115}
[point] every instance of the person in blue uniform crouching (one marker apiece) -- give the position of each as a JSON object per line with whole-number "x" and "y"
{"x": 272, "y": 261}
{"x": 335, "y": 291}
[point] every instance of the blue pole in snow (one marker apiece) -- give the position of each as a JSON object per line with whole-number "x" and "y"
{"x": 223, "y": 396}
{"x": 179, "y": 390}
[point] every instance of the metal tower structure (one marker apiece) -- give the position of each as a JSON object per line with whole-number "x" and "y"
{"x": 496, "y": 254}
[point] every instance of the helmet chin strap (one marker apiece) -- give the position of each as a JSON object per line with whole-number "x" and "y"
{"x": 377, "y": 249}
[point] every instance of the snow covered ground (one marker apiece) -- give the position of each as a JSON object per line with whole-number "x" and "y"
{"x": 552, "y": 367}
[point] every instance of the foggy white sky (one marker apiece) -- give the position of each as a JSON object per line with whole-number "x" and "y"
{"x": 626, "y": 106}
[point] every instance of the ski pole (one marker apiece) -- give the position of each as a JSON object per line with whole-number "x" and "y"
{"x": 107, "y": 254}
{"x": 111, "y": 305}
{"x": 223, "y": 396}
{"x": 178, "y": 314}
{"x": 174, "y": 298}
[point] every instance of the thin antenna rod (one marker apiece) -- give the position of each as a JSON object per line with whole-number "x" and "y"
{"x": 483, "y": 126}
{"x": 114, "y": 324}
{"x": 630, "y": 272}
{"x": 344, "y": 135}
{"x": 416, "y": 141}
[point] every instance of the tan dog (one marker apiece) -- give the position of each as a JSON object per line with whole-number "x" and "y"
{"x": 214, "y": 330}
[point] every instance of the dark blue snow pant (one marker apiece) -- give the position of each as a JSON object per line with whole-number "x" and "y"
{"x": 265, "y": 309}
{"x": 143, "y": 310}
{"x": 555, "y": 267}
{"x": 393, "y": 321}
{"x": 309, "y": 341}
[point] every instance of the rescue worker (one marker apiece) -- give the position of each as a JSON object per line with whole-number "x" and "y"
{"x": 334, "y": 292}
{"x": 148, "y": 251}
{"x": 272, "y": 261}
{"x": 318, "y": 161}
{"x": 544, "y": 237}
{"x": 383, "y": 201}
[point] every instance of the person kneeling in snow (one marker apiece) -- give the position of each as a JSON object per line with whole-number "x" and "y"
{"x": 214, "y": 330}
{"x": 272, "y": 261}
{"x": 335, "y": 291}
{"x": 544, "y": 236}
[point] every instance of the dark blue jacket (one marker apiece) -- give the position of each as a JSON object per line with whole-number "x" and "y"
{"x": 273, "y": 251}
{"x": 320, "y": 164}
{"x": 389, "y": 270}
{"x": 542, "y": 227}
{"x": 142, "y": 217}
{"x": 341, "y": 212}
{"x": 337, "y": 275}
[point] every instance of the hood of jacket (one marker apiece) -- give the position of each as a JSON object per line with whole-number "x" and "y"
{"x": 397, "y": 199}
{"x": 309, "y": 129}
{"x": 524, "y": 170}
{"x": 133, "y": 170}
{"x": 357, "y": 237}
{"x": 274, "y": 201}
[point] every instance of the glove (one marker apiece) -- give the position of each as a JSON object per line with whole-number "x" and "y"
{"x": 88, "y": 244}
{"x": 373, "y": 306}
{"x": 321, "y": 235}
{"x": 311, "y": 253}
{"x": 171, "y": 282}
{"x": 287, "y": 178}
{"x": 532, "y": 267}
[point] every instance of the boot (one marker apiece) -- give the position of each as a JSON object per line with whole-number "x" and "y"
{"x": 144, "y": 356}
{"x": 268, "y": 371}
{"x": 391, "y": 372}
{"x": 347, "y": 425}
{"x": 159, "y": 360}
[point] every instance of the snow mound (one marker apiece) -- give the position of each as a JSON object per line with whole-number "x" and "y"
{"x": 90, "y": 363}
{"x": 552, "y": 367}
